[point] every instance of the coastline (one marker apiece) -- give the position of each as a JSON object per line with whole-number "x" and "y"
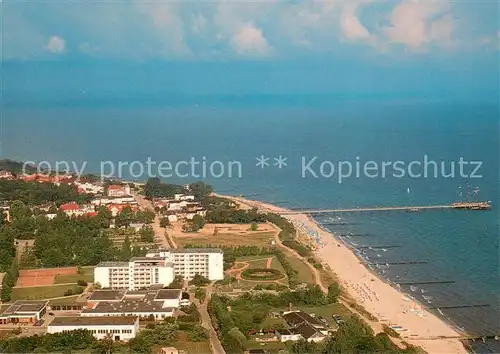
{"x": 390, "y": 305}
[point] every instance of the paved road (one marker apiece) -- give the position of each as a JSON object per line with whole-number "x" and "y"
{"x": 161, "y": 236}
{"x": 206, "y": 322}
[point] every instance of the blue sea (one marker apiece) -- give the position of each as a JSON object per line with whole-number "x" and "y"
{"x": 458, "y": 246}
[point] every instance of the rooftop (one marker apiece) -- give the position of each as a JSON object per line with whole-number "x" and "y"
{"x": 186, "y": 250}
{"x": 113, "y": 264}
{"x": 306, "y": 330}
{"x": 165, "y": 294}
{"x": 93, "y": 321}
{"x": 144, "y": 304}
{"x": 299, "y": 317}
{"x": 25, "y": 307}
{"x": 107, "y": 295}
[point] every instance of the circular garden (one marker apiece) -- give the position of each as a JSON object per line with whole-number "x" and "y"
{"x": 261, "y": 274}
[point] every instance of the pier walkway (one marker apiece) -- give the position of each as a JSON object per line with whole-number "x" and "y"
{"x": 459, "y": 206}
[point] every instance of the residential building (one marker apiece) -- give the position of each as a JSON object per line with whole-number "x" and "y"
{"x": 116, "y": 209}
{"x": 73, "y": 209}
{"x": 138, "y": 273}
{"x": 170, "y": 350}
{"x": 119, "y": 191}
{"x": 24, "y": 312}
{"x": 181, "y": 197}
{"x": 208, "y": 262}
{"x": 157, "y": 304}
{"x": 116, "y": 328}
{"x": 6, "y": 175}
{"x": 304, "y": 326}
{"x": 285, "y": 335}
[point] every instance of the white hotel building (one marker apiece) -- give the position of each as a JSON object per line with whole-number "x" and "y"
{"x": 160, "y": 267}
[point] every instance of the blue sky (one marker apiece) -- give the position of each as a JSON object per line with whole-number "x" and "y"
{"x": 243, "y": 46}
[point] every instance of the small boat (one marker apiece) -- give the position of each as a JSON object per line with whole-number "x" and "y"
{"x": 413, "y": 288}
{"x": 408, "y": 190}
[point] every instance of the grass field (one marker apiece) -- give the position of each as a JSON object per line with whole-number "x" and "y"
{"x": 270, "y": 347}
{"x": 88, "y": 276}
{"x": 40, "y": 292}
{"x": 227, "y": 235}
{"x": 304, "y": 271}
{"x": 183, "y": 343}
{"x": 327, "y": 311}
{"x": 67, "y": 300}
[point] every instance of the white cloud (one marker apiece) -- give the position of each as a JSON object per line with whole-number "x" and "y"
{"x": 351, "y": 27}
{"x": 249, "y": 41}
{"x": 416, "y": 23}
{"x": 167, "y": 27}
{"x": 199, "y": 22}
{"x": 56, "y": 45}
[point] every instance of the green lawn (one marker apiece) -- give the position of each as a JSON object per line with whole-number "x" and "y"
{"x": 270, "y": 322}
{"x": 68, "y": 300}
{"x": 40, "y": 292}
{"x": 305, "y": 274}
{"x": 327, "y": 311}
{"x": 73, "y": 278}
{"x": 183, "y": 343}
{"x": 272, "y": 347}
{"x": 88, "y": 276}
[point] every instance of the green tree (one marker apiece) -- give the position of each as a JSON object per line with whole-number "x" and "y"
{"x": 199, "y": 280}
{"x": 333, "y": 292}
{"x": 147, "y": 234}
{"x": 198, "y": 334}
{"x": 126, "y": 252}
{"x": 254, "y": 227}
{"x": 164, "y": 222}
{"x": 125, "y": 218}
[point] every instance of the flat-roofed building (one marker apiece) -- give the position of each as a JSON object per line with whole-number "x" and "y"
{"x": 208, "y": 262}
{"x": 138, "y": 273}
{"x": 160, "y": 266}
{"x": 24, "y": 311}
{"x": 117, "y": 328}
{"x": 157, "y": 304}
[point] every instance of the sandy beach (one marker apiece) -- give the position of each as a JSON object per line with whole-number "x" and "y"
{"x": 392, "y": 307}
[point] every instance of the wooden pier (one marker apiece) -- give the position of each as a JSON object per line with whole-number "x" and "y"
{"x": 410, "y": 208}
{"x": 427, "y": 282}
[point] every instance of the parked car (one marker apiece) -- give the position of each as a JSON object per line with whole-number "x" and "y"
{"x": 338, "y": 319}
{"x": 51, "y": 314}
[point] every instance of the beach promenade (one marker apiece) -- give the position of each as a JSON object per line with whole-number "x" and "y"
{"x": 388, "y": 304}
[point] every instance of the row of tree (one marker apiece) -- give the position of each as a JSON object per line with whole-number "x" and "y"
{"x": 35, "y": 193}
{"x": 227, "y": 214}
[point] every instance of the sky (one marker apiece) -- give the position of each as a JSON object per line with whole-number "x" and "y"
{"x": 274, "y": 46}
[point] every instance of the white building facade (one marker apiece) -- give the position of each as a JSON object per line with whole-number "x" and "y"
{"x": 116, "y": 328}
{"x": 160, "y": 267}
{"x": 208, "y": 262}
{"x": 138, "y": 273}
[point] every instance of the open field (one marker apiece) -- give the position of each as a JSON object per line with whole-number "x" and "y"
{"x": 227, "y": 235}
{"x": 327, "y": 311}
{"x": 73, "y": 278}
{"x": 305, "y": 274}
{"x": 271, "y": 347}
{"x": 183, "y": 343}
{"x": 40, "y": 292}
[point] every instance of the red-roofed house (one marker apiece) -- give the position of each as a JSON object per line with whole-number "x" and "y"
{"x": 72, "y": 209}
{"x": 118, "y": 191}
{"x": 116, "y": 209}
